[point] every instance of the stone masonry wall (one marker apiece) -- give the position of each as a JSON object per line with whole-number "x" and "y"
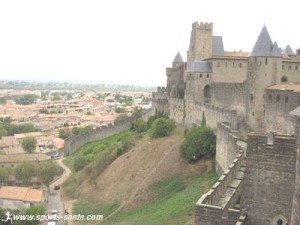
{"x": 279, "y": 103}
{"x": 230, "y": 96}
{"x": 217, "y": 206}
{"x": 228, "y": 146}
{"x": 213, "y": 114}
{"x": 269, "y": 181}
{"x": 73, "y": 143}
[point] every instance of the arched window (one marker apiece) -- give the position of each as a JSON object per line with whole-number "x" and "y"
{"x": 279, "y": 222}
{"x": 207, "y": 94}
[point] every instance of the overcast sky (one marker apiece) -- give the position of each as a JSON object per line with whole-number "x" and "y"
{"x": 126, "y": 41}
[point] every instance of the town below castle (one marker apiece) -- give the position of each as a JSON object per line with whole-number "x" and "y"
{"x": 251, "y": 100}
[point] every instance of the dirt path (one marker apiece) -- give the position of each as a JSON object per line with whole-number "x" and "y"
{"x": 68, "y": 203}
{"x": 133, "y": 194}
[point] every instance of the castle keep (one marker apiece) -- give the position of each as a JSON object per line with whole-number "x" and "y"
{"x": 250, "y": 100}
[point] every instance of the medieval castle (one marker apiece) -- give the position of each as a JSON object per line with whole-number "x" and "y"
{"x": 251, "y": 101}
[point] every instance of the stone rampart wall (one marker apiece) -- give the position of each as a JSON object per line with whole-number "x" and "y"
{"x": 73, "y": 143}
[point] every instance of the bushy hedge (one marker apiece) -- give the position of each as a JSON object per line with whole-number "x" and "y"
{"x": 162, "y": 127}
{"x": 198, "y": 143}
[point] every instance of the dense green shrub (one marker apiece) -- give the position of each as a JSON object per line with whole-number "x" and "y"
{"x": 199, "y": 142}
{"x": 158, "y": 114}
{"x": 139, "y": 125}
{"x": 162, "y": 127}
{"x": 79, "y": 163}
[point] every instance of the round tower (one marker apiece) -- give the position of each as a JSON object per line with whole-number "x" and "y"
{"x": 263, "y": 71}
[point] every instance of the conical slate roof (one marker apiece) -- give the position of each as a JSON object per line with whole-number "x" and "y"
{"x": 217, "y": 45}
{"x": 178, "y": 58}
{"x": 264, "y": 46}
{"x": 275, "y": 50}
{"x": 288, "y": 50}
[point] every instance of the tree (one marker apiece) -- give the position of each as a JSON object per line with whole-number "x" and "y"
{"x": 121, "y": 117}
{"x": 24, "y": 171}
{"x": 3, "y": 132}
{"x": 4, "y": 173}
{"x": 79, "y": 163}
{"x": 34, "y": 210}
{"x": 199, "y": 142}
{"x": 139, "y": 125}
{"x": 158, "y": 114}
{"x": 162, "y": 127}
{"x": 64, "y": 133}
{"x": 47, "y": 171}
{"x": 29, "y": 144}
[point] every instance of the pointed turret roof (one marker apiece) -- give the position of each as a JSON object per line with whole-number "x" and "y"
{"x": 264, "y": 45}
{"x": 217, "y": 45}
{"x": 275, "y": 50}
{"x": 178, "y": 58}
{"x": 288, "y": 50}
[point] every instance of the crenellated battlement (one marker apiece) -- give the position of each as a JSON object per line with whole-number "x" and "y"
{"x": 203, "y": 25}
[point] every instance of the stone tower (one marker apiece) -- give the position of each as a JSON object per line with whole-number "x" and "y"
{"x": 175, "y": 76}
{"x": 295, "y": 219}
{"x": 200, "y": 43}
{"x": 264, "y": 70}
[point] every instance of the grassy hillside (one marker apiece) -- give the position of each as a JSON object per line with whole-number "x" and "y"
{"x": 148, "y": 184}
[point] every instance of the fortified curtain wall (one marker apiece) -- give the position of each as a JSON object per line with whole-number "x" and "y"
{"x": 219, "y": 205}
{"x": 269, "y": 181}
{"x": 190, "y": 113}
{"x": 230, "y": 96}
{"x": 73, "y": 143}
{"x": 229, "y": 144}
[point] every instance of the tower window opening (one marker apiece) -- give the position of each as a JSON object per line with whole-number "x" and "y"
{"x": 266, "y": 61}
{"x": 277, "y": 98}
{"x": 207, "y": 75}
{"x": 286, "y": 99}
{"x": 251, "y": 97}
{"x": 200, "y": 75}
{"x": 270, "y": 97}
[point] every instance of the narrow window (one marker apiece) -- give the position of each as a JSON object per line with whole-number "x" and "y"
{"x": 277, "y": 98}
{"x": 252, "y": 113}
{"x": 296, "y": 67}
{"x": 233, "y": 65}
{"x": 207, "y": 75}
{"x": 251, "y": 97}
{"x": 266, "y": 61}
{"x": 290, "y": 67}
{"x": 240, "y": 65}
{"x": 200, "y": 75}
{"x": 270, "y": 98}
{"x": 286, "y": 99}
